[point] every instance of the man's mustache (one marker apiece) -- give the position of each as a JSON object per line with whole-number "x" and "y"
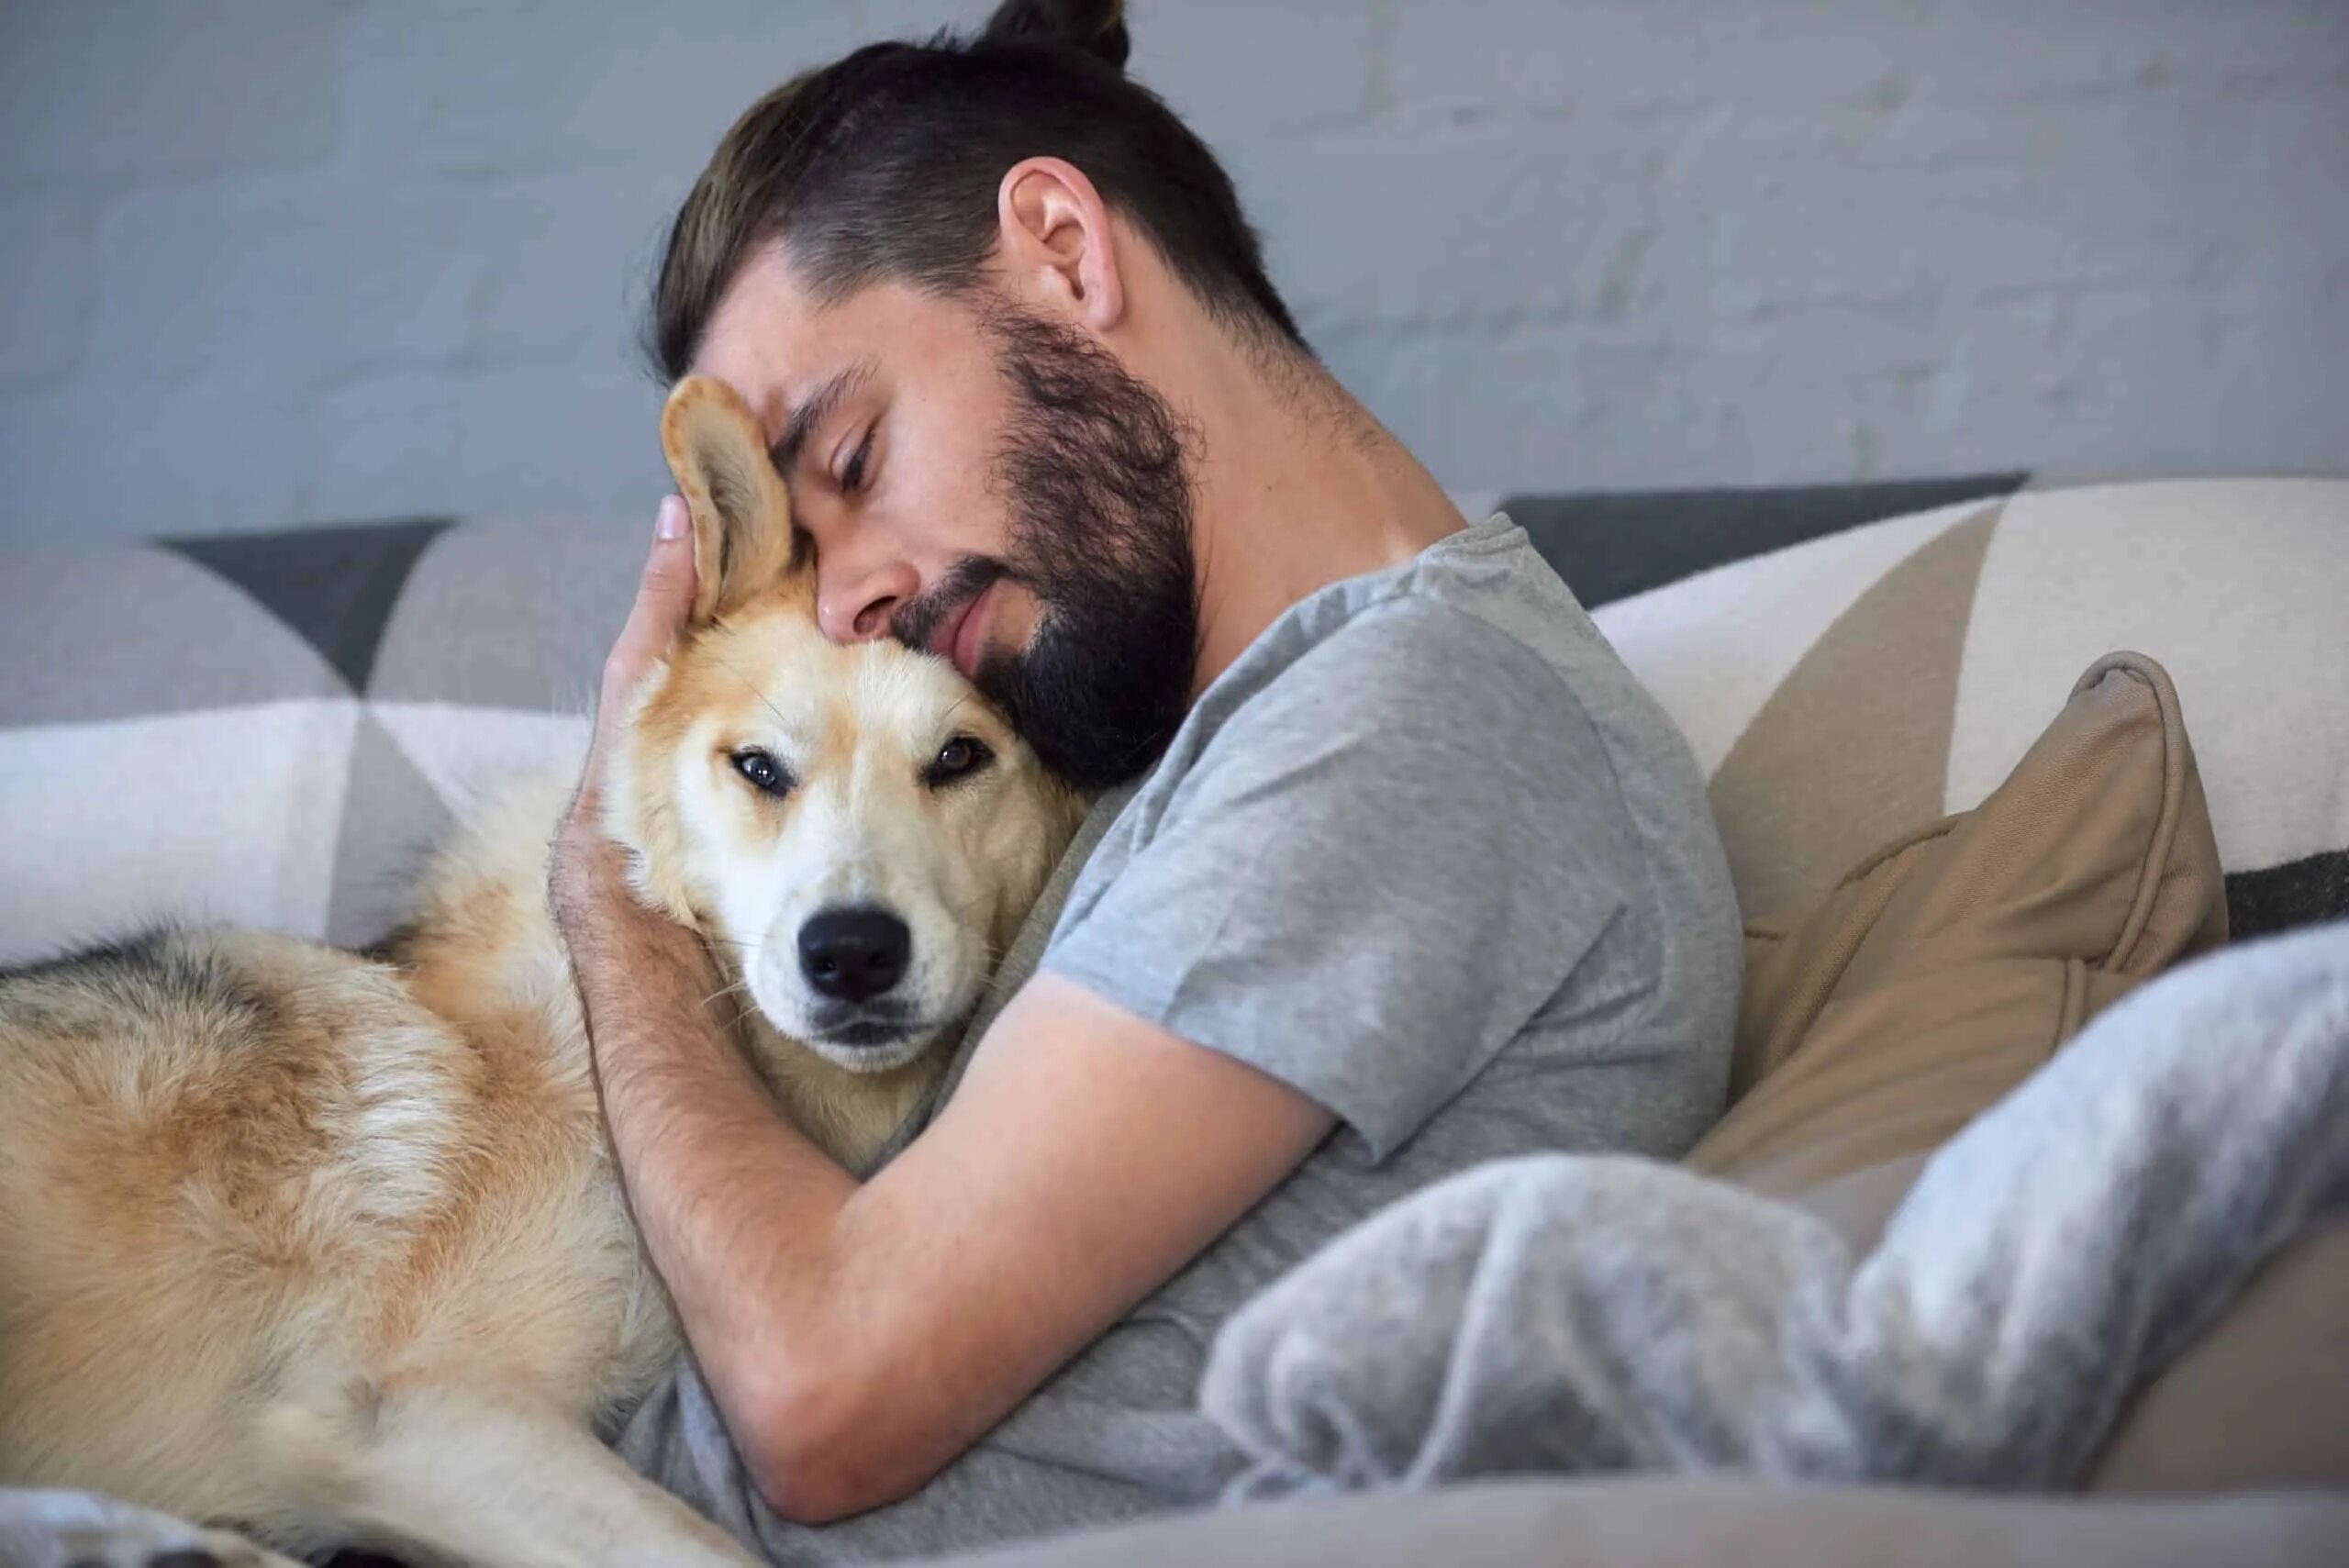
{"x": 916, "y": 621}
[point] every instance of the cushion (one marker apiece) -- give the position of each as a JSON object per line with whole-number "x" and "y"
{"x": 1940, "y": 971}
{"x": 1948, "y": 964}
{"x": 282, "y": 720}
{"x": 1843, "y": 690}
{"x": 270, "y": 729}
{"x": 2257, "y": 1404}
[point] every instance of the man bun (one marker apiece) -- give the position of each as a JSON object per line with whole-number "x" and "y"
{"x": 1097, "y": 27}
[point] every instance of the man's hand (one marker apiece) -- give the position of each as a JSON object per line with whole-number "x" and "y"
{"x": 586, "y": 870}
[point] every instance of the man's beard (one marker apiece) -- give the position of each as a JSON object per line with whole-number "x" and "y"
{"x": 1093, "y": 467}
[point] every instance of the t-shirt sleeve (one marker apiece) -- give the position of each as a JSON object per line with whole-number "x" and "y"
{"x": 1380, "y": 868}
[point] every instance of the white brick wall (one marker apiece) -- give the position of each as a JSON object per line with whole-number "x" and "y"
{"x": 269, "y": 261}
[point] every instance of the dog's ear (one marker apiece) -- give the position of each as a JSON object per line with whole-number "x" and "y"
{"x": 743, "y": 536}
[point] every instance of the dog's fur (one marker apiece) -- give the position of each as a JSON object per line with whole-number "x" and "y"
{"x": 331, "y": 1246}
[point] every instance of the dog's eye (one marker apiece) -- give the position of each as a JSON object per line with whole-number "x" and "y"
{"x": 764, "y": 773}
{"x": 958, "y": 759}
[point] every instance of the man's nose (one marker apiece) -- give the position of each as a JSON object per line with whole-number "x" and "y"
{"x": 855, "y": 599}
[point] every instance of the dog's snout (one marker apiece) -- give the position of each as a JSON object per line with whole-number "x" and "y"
{"x": 854, "y": 955}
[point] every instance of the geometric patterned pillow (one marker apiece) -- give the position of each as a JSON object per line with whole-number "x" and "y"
{"x": 1844, "y": 691}
{"x": 268, "y": 727}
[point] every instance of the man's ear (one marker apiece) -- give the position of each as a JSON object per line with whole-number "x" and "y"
{"x": 1057, "y": 238}
{"x": 743, "y": 540}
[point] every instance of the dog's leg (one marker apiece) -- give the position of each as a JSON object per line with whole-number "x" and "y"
{"x": 468, "y": 1480}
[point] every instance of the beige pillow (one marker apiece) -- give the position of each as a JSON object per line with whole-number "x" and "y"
{"x": 1946, "y": 967}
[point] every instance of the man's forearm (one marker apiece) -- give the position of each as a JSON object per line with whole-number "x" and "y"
{"x": 737, "y": 1208}
{"x": 859, "y": 1338}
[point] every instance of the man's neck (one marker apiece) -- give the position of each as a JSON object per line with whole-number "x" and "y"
{"x": 1298, "y": 487}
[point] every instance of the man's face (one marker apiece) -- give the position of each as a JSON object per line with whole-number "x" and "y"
{"x": 991, "y": 487}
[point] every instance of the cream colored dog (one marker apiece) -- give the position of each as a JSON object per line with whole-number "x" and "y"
{"x": 333, "y": 1248}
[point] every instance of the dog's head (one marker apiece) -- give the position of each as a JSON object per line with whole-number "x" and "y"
{"x": 855, "y": 829}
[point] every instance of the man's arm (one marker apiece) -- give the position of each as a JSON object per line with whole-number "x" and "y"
{"x": 858, "y": 1338}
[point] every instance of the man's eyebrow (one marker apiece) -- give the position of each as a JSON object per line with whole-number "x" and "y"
{"x": 811, "y": 412}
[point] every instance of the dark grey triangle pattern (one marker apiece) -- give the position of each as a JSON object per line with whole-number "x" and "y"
{"x": 2305, "y": 892}
{"x": 1609, "y": 545}
{"x": 335, "y": 586}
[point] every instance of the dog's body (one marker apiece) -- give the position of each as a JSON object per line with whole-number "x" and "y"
{"x": 332, "y": 1246}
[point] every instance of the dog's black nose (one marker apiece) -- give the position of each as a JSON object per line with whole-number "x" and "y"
{"x": 854, "y": 955}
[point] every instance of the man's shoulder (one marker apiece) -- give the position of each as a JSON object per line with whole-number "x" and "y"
{"x": 1411, "y": 702}
{"x": 1466, "y": 684}
{"x": 1407, "y": 649}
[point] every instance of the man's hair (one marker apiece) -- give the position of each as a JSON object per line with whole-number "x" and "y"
{"x": 885, "y": 165}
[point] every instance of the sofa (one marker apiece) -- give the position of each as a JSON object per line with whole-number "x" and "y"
{"x": 267, "y": 728}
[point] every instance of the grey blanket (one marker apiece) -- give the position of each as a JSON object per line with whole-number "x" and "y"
{"x": 1573, "y": 1313}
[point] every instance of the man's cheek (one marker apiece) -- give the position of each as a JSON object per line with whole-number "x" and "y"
{"x": 1018, "y": 617}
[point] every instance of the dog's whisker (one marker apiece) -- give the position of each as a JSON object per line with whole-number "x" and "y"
{"x": 755, "y": 691}
{"x": 740, "y": 985}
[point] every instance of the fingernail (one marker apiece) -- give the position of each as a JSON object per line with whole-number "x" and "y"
{"x": 671, "y": 521}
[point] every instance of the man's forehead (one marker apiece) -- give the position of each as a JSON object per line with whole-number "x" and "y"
{"x": 779, "y": 346}
{"x": 771, "y": 342}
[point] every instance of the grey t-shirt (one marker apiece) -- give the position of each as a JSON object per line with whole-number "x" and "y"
{"x": 1426, "y": 851}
